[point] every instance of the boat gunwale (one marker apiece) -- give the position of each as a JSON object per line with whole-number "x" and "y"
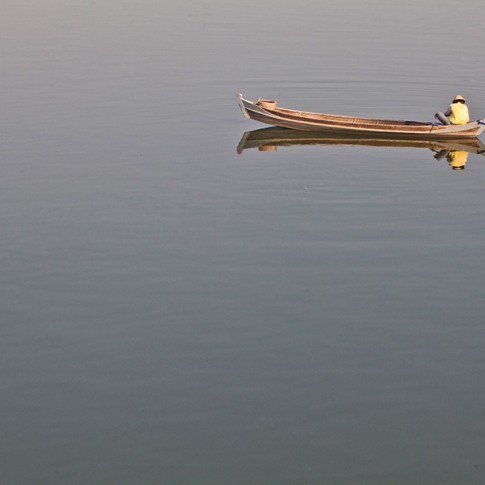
{"x": 360, "y": 123}
{"x": 331, "y": 117}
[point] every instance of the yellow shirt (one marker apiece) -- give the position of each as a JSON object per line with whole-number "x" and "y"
{"x": 459, "y": 114}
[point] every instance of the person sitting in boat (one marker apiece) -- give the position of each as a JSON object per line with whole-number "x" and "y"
{"x": 456, "y": 114}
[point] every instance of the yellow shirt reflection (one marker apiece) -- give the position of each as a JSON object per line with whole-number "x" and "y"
{"x": 457, "y": 159}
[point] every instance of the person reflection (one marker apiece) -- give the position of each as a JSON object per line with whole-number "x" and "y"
{"x": 456, "y": 158}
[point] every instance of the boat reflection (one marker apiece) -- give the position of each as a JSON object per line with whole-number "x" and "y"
{"x": 269, "y": 139}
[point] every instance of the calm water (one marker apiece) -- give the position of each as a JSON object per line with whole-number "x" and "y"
{"x": 175, "y": 312}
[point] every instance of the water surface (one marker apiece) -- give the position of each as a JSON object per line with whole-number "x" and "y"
{"x": 176, "y": 312}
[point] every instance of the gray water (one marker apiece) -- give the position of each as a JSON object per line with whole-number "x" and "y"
{"x": 175, "y": 312}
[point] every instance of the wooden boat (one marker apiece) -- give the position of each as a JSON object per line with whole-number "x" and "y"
{"x": 267, "y": 112}
{"x": 267, "y": 139}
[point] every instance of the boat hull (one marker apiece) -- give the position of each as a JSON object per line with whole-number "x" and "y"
{"x": 354, "y": 126}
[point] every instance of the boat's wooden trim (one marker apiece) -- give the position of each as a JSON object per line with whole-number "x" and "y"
{"x": 306, "y": 120}
{"x": 307, "y": 115}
